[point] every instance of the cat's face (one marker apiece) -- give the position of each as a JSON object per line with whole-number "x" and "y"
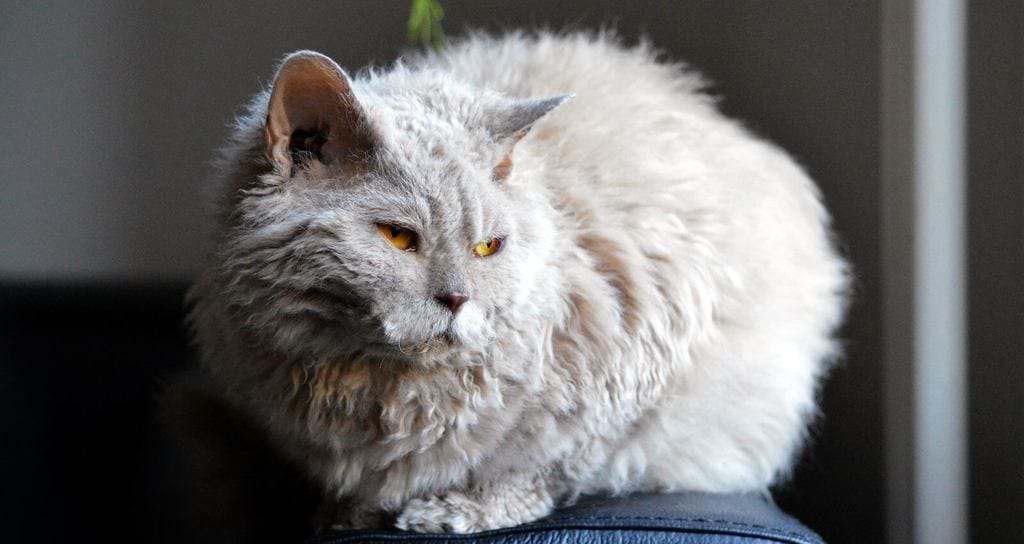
{"x": 391, "y": 228}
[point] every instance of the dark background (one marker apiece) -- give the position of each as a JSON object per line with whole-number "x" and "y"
{"x": 111, "y": 113}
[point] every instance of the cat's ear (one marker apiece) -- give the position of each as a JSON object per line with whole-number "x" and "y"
{"x": 313, "y": 112}
{"x": 514, "y": 121}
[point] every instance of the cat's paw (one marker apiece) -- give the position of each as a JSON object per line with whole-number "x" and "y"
{"x": 489, "y": 507}
{"x": 451, "y": 513}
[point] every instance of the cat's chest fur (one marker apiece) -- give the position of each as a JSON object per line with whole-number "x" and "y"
{"x": 376, "y": 424}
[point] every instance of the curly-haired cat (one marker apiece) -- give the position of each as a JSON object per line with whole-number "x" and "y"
{"x": 478, "y": 284}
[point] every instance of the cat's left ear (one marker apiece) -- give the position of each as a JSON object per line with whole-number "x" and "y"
{"x": 515, "y": 121}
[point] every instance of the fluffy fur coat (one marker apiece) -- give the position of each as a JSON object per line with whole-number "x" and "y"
{"x": 657, "y": 317}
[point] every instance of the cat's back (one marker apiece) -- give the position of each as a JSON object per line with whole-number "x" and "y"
{"x": 620, "y": 95}
{"x": 595, "y": 67}
{"x": 635, "y": 120}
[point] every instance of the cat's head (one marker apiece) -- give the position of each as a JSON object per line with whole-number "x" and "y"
{"x": 389, "y": 219}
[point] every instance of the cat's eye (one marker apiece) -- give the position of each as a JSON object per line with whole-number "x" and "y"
{"x": 488, "y": 247}
{"x": 401, "y": 238}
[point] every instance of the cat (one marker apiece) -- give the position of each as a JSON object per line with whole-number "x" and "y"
{"x": 476, "y": 285}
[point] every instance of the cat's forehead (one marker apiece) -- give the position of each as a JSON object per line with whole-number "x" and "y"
{"x": 438, "y": 116}
{"x": 438, "y": 179}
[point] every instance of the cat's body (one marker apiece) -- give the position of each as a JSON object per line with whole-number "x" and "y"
{"x": 657, "y": 317}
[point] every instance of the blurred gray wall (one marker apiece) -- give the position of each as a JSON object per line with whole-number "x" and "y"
{"x": 110, "y": 113}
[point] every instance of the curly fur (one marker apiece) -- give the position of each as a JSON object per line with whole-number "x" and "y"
{"x": 658, "y": 319}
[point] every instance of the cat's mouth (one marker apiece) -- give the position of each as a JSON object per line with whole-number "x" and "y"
{"x": 443, "y": 342}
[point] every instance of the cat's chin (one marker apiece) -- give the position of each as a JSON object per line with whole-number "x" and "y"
{"x": 430, "y": 352}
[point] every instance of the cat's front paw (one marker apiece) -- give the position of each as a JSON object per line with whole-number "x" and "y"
{"x": 451, "y": 513}
{"x": 491, "y": 507}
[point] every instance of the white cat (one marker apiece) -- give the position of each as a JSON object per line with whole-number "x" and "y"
{"x": 471, "y": 287}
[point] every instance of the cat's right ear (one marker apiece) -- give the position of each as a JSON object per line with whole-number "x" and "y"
{"x": 313, "y": 113}
{"x": 514, "y": 121}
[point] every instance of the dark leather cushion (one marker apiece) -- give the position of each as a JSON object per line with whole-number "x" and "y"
{"x": 685, "y": 518}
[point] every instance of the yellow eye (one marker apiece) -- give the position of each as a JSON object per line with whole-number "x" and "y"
{"x": 399, "y": 237}
{"x": 488, "y": 247}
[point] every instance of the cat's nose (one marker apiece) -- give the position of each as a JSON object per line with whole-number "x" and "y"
{"x": 453, "y": 301}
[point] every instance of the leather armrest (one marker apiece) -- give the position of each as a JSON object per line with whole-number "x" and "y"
{"x": 686, "y": 518}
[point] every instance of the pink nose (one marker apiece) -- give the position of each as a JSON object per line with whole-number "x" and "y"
{"x": 453, "y": 301}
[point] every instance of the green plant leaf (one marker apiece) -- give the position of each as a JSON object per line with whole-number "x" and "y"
{"x": 425, "y": 23}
